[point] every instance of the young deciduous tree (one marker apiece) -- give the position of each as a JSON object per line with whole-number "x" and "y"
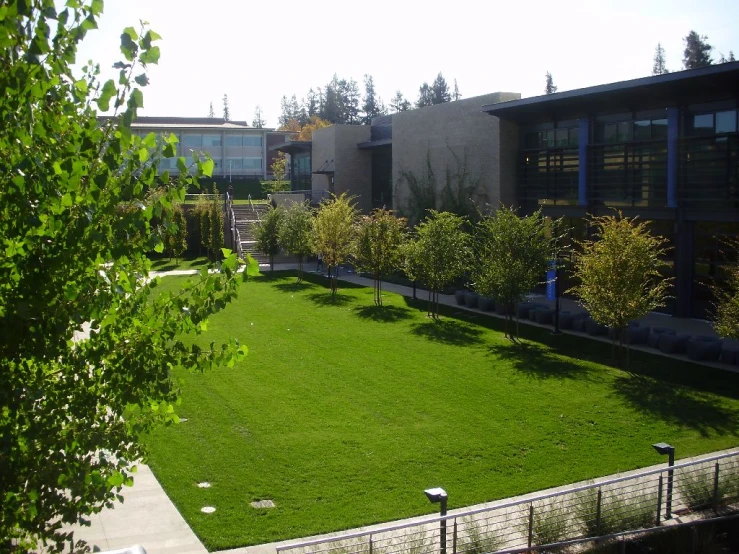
{"x": 550, "y": 87}
{"x": 659, "y": 67}
{"x": 295, "y": 233}
{"x": 86, "y": 350}
{"x": 379, "y": 246}
{"x": 333, "y": 233}
{"x": 512, "y": 254}
{"x": 726, "y": 320}
{"x": 267, "y": 234}
{"x": 619, "y": 272}
{"x": 176, "y": 231}
{"x": 315, "y": 122}
{"x": 279, "y": 173}
{"x": 697, "y": 51}
{"x": 438, "y": 254}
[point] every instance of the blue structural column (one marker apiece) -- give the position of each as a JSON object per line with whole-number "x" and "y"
{"x": 673, "y": 128}
{"x": 583, "y": 138}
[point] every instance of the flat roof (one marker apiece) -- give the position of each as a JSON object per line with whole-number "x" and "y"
{"x": 374, "y": 143}
{"x": 293, "y": 146}
{"x": 713, "y": 82}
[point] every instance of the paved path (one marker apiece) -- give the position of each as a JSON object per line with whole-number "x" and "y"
{"x": 147, "y": 516}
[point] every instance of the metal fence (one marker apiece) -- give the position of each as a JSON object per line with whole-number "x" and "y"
{"x": 606, "y": 508}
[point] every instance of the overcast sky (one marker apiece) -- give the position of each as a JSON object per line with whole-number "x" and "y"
{"x": 256, "y": 52}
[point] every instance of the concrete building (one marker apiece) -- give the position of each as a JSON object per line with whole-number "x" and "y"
{"x": 663, "y": 148}
{"x": 238, "y": 150}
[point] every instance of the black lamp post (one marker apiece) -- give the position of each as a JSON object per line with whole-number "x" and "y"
{"x": 439, "y": 495}
{"x": 664, "y": 448}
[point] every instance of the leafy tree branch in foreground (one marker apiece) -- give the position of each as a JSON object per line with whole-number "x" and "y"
{"x": 76, "y": 225}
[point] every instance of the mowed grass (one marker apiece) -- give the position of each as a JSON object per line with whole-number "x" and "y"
{"x": 343, "y": 413}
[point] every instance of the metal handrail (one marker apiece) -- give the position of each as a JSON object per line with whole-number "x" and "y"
{"x": 430, "y": 519}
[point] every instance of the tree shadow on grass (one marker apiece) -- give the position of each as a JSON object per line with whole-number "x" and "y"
{"x": 675, "y": 404}
{"x": 537, "y": 361}
{"x": 450, "y": 331}
{"x": 328, "y": 299}
{"x": 293, "y": 286}
{"x": 388, "y": 314}
{"x": 183, "y": 263}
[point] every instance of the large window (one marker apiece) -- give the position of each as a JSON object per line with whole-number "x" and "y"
{"x": 707, "y": 124}
{"x": 553, "y": 138}
{"x": 253, "y": 163}
{"x": 253, "y": 140}
{"x": 191, "y": 140}
{"x": 627, "y": 131}
{"x": 233, "y": 140}
{"x": 211, "y": 140}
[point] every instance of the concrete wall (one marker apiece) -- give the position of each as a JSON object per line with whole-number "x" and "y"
{"x": 323, "y": 153}
{"x": 335, "y": 147}
{"x": 447, "y": 135}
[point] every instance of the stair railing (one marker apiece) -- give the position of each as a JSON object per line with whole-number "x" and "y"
{"x": 235, "y": 235}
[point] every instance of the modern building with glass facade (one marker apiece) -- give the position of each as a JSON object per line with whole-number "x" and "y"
{"x": 663, "y": 148}
{"x": 238, "y": 150}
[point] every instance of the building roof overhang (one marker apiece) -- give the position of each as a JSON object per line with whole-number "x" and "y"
{"x": 714, "y": 82}
{"x": 293, "y": 147}
{"x": 374, "y": 143}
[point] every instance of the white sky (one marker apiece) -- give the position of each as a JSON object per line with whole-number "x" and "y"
{"x": 256, "y": 52}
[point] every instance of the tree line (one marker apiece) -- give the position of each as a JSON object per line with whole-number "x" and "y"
{"x": 503, "y": 256}
{"x": 697, "y": 53}
{"x": 340, "y": 101}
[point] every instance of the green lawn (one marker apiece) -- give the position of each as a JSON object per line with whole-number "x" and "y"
{"x": 168, "y": 264}
{"x": 344, "y": 413}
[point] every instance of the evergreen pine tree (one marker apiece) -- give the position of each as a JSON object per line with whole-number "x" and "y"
{"x": 258, "y": 121}
{"x": 550, "y": 87}
{"x": 312, "y": 103}
{"x": 731, "y": 56}
{"x": 350, "y": 100}
{"x": 456, "y": 95}
{"x": 211, "y": 113}
{"x": 659, "y": 68}
{"x": 440, "y": 90}
{"x": 697, "y": 51}
{"x": 330, "y": 110}
{"x": 399, "y": 103}
{"x": 371, "y": 106}
{"x": 424, "y": 96}
{"x": 226, "y": 112}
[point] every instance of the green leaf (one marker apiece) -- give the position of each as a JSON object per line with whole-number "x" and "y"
{"x": 81, "y": 86}
{"x": 142, "y": 79}
{"x": 108, "y": 92}
{"x": 159, "y": 247}
{"x": 137, "y": 99}
{"x": 207, "y": 167}
{"x": 96, "y": 7}
{"x": 67, "y": 200}
{"x": 150, "y": 56}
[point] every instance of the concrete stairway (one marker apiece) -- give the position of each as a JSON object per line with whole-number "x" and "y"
{"x": 246, "y": 218}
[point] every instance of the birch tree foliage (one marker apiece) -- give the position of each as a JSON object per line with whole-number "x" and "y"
{"x": 333, "y": 232}
{"x": 620, "y": 271}
{"x": 76, "y": 222}
{"x": 512, "y": 255}
{"x": 379, "y": 246}
{"x": 294, "y": 234}
{"x": 438, "y": 254}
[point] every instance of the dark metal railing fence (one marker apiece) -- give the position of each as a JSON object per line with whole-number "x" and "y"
{"x": 638, "y": 501}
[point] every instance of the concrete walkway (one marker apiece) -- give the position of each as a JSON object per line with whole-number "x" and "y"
{"x": 148, "y": 518}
